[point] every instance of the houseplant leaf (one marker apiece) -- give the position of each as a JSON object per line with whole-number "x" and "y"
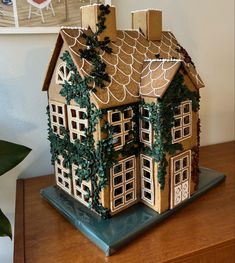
{"x": 5, "y": 226}
{"x": 11, "y": 154}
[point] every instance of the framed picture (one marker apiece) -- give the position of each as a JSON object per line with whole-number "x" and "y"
{"x": 40, "y": 16}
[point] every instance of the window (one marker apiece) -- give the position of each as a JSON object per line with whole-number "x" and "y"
{"x": 78, "y": 123}
{"x": 180, "y": 178}
{"x": 146, "y": 136}
{"x": 81, "y": 188}
{"x": 122, "y": 125}
{"x": 123, "y": 183}
{"x": 63, "y": 74}
{"x": 182, "y": 122}
{"x": 62, "y": 175}
{"x": 147, "y": 186}
{"x": 57, "y": 116}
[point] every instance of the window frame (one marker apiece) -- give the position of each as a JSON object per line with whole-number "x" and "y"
{"x": 65, "y": 179}
{"x": 181, "y": 116}
{"x": 80, "y": 188}
{"x": 64, "y": 75}
{"x": 125, "y": 182}
{"x": 76, "y": 132}
{"x": 121, "y": 122}
{"x": 148, "y": 131}
{"x": 56, "y": 115}
{"x": 144, "y": 179}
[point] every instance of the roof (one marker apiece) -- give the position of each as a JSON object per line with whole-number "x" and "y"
{"x": 124, "y": 64}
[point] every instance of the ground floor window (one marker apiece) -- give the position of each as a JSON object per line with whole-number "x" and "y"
{"x": 123, "y": 183}
{"x": 62, "y": 175}
{"x": 147, "y": 185}
{"x": 180, "y": 178}
{"x": 81, "y": 188}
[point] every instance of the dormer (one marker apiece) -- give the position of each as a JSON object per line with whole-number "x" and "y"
{"x": 89, "y": 19}
{"x": 149, "y": 22}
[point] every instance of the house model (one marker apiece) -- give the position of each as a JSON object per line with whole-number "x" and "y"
{"x": 123, "y": 113}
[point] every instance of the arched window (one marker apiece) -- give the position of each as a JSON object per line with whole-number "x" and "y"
{"x": 63, "y": 74}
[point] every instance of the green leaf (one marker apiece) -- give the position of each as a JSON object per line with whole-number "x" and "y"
{"x": 5, "y": 226}
{"x": 11, "y": 154}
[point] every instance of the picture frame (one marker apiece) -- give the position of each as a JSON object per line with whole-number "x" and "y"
{"x": 40, "y": 16}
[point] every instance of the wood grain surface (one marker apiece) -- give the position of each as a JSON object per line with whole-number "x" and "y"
{"x": 204, "y": 231}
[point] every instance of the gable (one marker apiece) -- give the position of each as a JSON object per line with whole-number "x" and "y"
{"x": 158, "y": 74}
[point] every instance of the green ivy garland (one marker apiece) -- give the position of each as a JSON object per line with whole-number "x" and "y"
{"x": 90, "y": 53}
{"x": 162, "y": 120}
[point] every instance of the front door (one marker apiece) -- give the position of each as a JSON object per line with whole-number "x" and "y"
{"x": 180, "y": 178}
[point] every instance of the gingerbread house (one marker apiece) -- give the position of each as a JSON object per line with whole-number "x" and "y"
{"x": 123, "y": 113}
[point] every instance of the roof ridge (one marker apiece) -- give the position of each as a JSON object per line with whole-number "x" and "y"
{"x": 146, "y": 9}
{"x": 163, "y": 60}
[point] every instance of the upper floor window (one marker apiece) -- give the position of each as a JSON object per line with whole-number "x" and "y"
{"x": 63, "y": 74}
{"x": 182, "y": 122}
{"x": 57, "y": 116}
{"x": 122, "y": 124}
{"x": 146, "y": 135}
{"x": 78, "y": 123}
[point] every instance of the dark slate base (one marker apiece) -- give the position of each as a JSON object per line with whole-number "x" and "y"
{"x": 110, "y": 234}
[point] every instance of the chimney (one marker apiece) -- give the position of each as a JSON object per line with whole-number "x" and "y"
{"x": 149, "y": 22}
{"x": 89, "y": 18}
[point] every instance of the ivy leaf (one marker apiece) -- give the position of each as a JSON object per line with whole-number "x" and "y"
{"x": 11, "y": 154}
{"x": 5, "y": 226}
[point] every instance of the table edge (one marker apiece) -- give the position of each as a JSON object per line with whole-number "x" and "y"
{"x": 19, "y": 236}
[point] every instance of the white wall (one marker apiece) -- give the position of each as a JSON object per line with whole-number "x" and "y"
{"x": 204, "y": 28}
{"x": 23, "y": 62}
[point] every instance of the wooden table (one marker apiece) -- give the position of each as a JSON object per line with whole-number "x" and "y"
{"x": 204, "y": 231}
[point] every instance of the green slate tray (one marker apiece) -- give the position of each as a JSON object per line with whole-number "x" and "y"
{"x": 110, "y": 234}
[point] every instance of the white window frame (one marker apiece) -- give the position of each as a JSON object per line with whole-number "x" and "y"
{"x": 144, "y": 179}
{"x": 123, "y": 120}
{"x": 78, "y": 187}
{"x": 57, "y": 113}
{"x": 177, "y": 187}
{"x": 123, "y": 184}
{"x": 63, "y": 74}
{"x": 182, "y": 126}
{"x": 148, "y": 131}
{"x": 74, "y": 118}
{"x": 62, "y": 178}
